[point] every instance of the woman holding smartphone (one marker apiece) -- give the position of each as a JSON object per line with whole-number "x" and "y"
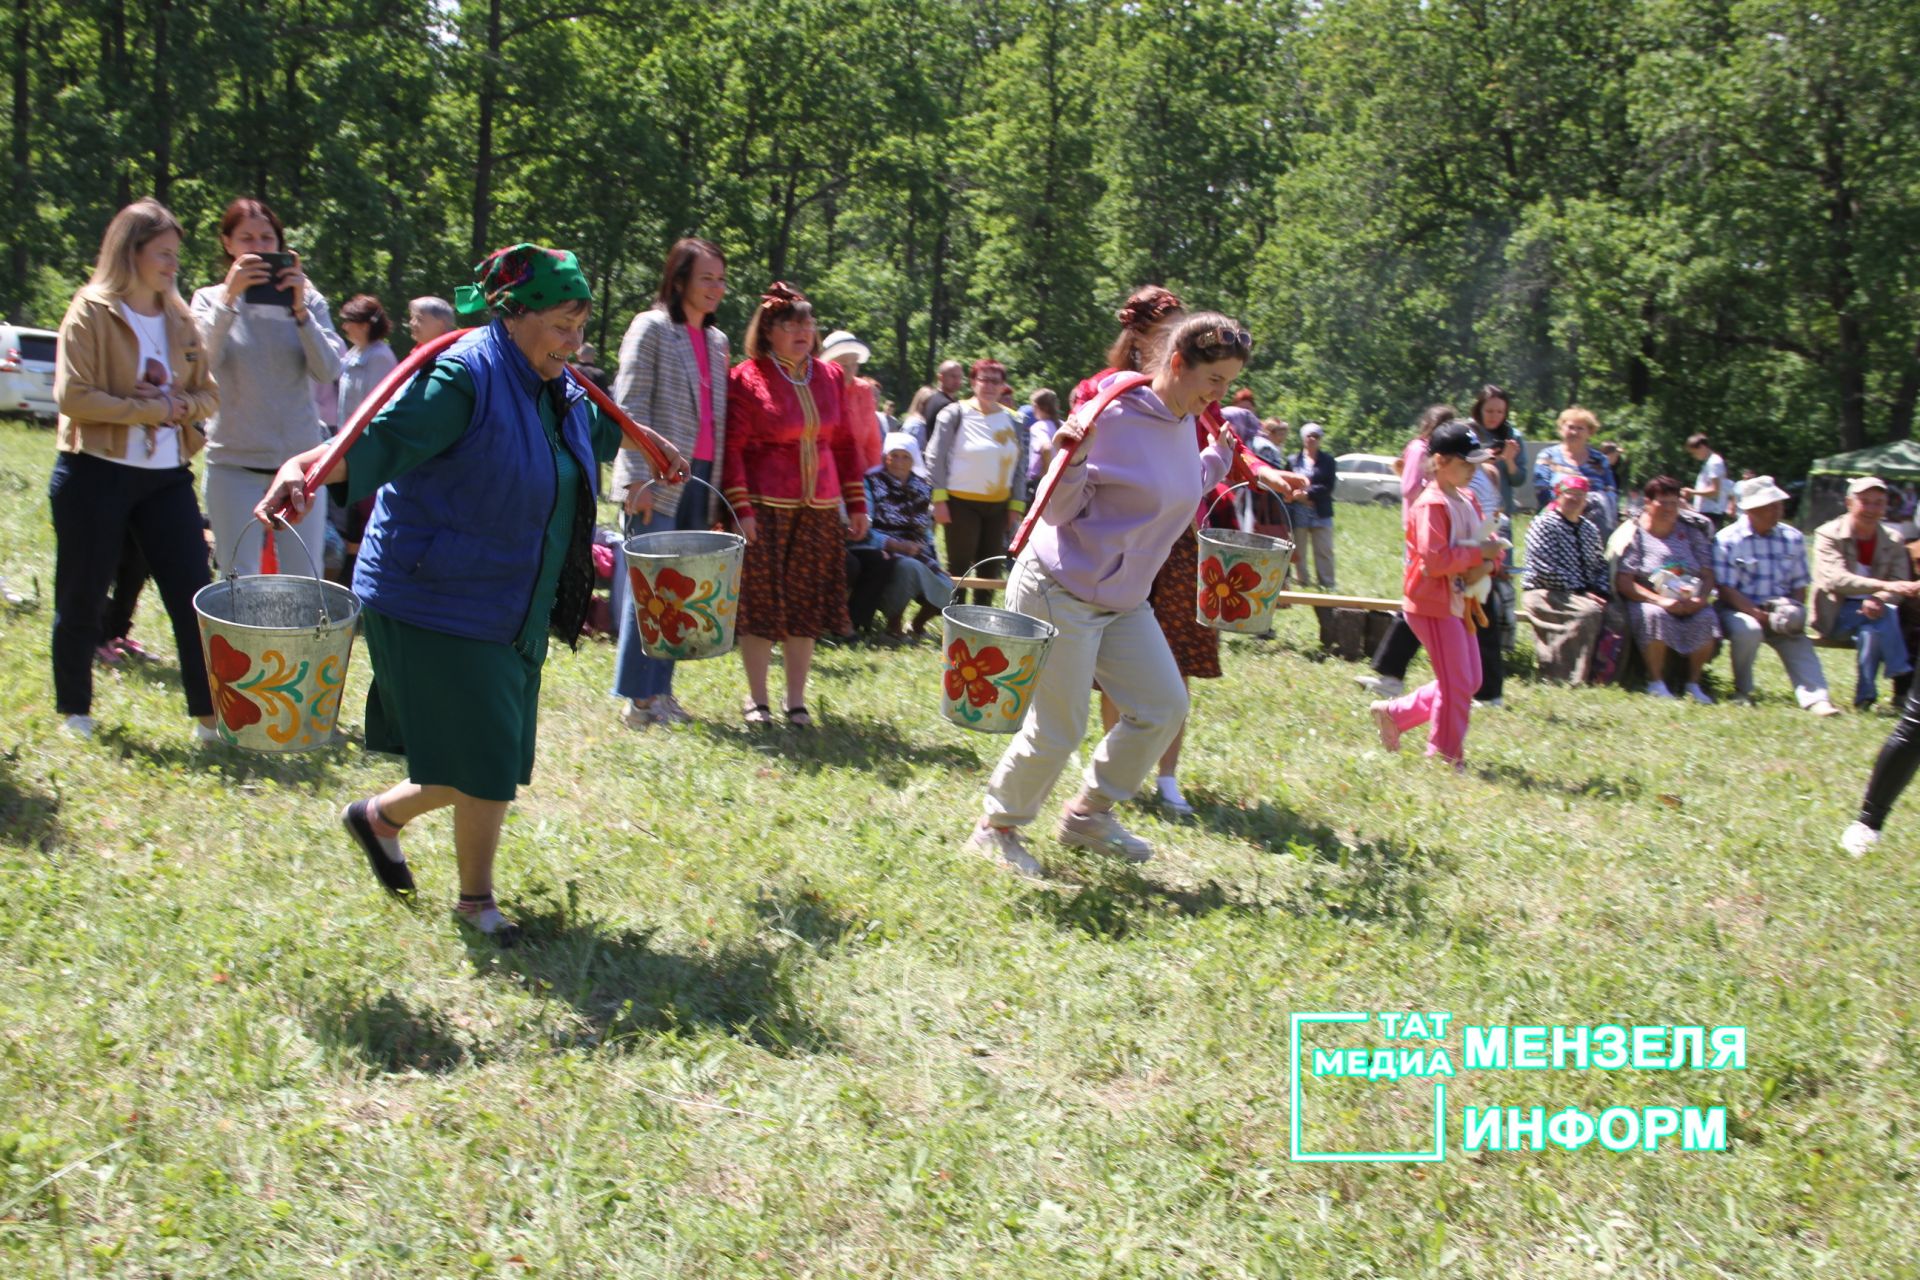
{"x": 271, "y": 345}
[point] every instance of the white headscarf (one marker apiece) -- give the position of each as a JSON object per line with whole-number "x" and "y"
{"x": 901, "y": 440}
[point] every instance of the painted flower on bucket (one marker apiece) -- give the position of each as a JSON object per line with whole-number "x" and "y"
{"x": 971, "y": 674}
{"x": 1223, "y": 591}
{"x": 659, "y": 605}
{"x": 225, "y": 665}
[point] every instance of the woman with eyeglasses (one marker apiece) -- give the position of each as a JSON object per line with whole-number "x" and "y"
{"x": 790, "y": 464}
{"x": 133, "y": 388}
{"x": 1130, "y": 485}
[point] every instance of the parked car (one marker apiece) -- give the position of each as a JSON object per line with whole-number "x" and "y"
{"x": 26, "y": 371}
{"x": 1366, "y": 477}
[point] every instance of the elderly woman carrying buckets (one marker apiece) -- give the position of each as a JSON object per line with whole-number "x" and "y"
{"x": 1126, "y": 493}
{"x": 483, "y": 473}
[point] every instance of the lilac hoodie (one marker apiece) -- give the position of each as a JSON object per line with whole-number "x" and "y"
{"x": 1119, "y": 510}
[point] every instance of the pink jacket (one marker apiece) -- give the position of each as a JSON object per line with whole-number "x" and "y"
{"x": 1426, "y": 588}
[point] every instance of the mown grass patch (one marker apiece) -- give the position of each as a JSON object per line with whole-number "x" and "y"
{"x": 774, "y": 1022}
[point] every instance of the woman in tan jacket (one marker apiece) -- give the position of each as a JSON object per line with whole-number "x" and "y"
{"x": 133, "y": 388}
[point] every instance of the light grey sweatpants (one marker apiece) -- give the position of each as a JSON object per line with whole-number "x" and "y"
{"x": 1744, "y": 638}
{"x": 232, "y": 493}
{"x": 1128, "y": 653}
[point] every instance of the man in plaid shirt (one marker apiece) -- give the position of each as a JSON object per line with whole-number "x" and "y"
{"x": 1760, "y": 565}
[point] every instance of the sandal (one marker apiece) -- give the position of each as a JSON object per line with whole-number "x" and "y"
{"x": 759, "y": 714}
{"x": 799, "y": 717}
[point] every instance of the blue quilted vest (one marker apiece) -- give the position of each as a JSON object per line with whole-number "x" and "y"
{"x": 454, "y": 545}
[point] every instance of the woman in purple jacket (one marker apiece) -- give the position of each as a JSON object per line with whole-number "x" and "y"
{"x": 1124, "y": 498}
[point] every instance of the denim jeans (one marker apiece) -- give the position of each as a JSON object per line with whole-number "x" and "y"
{"x": 1877, "y": 641}
{"x": 635, "y": 675}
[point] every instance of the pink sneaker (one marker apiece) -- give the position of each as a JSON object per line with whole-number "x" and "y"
{"x": 131, "y": 648}
{"x": 108, "y": 654}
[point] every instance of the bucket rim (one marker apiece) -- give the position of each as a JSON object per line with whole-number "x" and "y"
{"x": 347, "y": 616}
{"x": 1220, "y": 538}
{"x": 1051, "y": 632}
{"x": 727, "y": 543}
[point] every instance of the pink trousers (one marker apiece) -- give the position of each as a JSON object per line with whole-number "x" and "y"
{"x": 1446, "y": 701}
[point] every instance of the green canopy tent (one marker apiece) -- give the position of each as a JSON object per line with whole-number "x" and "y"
{"x": 1897, "y": 462}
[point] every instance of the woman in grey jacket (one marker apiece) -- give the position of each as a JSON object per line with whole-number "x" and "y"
{"x": 673, "y": 378}
{"x": 268, "y": 357}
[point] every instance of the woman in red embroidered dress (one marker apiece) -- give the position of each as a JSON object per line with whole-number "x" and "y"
{"x": 790, "y": 465}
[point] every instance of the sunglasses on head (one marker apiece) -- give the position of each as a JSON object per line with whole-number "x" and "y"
{"x": 1225, "y": 344}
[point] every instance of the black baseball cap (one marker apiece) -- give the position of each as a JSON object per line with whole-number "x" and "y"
{"x": 1456, "y": 438}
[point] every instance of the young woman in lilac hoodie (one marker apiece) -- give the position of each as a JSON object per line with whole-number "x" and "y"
{"x": 1125, "y": 496}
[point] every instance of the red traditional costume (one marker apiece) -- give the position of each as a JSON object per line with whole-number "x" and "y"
{"x": 791, "y": 461}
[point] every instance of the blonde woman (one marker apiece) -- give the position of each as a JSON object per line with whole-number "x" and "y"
{"x": 133, "y": 389}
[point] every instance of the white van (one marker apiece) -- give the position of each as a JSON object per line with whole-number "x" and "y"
{"x": 26, "y": 372}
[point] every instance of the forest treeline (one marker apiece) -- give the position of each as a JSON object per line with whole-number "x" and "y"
{"x": 1685, "y": 214}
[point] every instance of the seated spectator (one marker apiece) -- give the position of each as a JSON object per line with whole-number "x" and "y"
{"x": 1861, "y": 574}
{"x": 1566, "y": 583}
{"x": 1666, "y": 577}
{"x": 900, "y": 499}
{"x": 1760, "y": 563}
{"x": 1573, "y": 456}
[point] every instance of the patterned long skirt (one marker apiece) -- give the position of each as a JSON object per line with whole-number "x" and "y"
{"x": 794, "y": 581}
{"x": 1195, "y": 645}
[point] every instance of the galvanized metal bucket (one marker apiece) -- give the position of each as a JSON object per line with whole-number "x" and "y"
{"x": 993, "y": 657}
{"x": 686, "y": 590}
{"x": 1241, "y": 574}
{"x": 277, "y": 647}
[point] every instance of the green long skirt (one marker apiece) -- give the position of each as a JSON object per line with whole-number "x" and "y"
{"x": 465, "y": 713}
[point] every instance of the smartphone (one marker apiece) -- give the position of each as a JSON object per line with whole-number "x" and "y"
{"x": 271, "y": 293}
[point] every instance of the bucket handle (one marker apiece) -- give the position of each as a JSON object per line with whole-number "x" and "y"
{"x": 319, "y": 588}
{"x": 1248, "y": 484}
{"x": 694, "y": 479}
{"x": 1045, "y": 601}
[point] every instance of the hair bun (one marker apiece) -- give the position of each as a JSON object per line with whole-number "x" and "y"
{"x": 1147, "y": 308}
{"x": 779, "y": 296}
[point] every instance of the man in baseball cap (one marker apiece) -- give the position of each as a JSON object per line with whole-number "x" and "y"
{"x": 1760, "y": 564}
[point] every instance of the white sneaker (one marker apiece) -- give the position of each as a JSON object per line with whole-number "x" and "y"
{"x": 669, "y": 712}
{"x": 1004, "y": 846}
{"x": 1859, "y": 839}
{"x": 1101, "y": 832}
{"x": 1382, "y": 686}
{"x": 1824, "y": 708}
{"x": 1483, "y": 703}
{"x": 207, "y": 735}
{"x": 1383, "y": 721}
{"x": 1169, "y": 789}
{"x": 635, "y": 716}
{"x": 1699, "y": 695}
{"x": 1658, "y": 689}
{"x": 79, "y": 726}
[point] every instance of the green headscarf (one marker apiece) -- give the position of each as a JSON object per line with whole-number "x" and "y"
{"x": 522, "y": 277}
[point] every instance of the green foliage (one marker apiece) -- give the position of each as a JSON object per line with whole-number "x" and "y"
{"x": 1686, "y": 214}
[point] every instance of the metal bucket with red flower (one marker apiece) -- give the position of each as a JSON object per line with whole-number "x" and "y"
{"x": 1241, "y": 577}
{"x": 277, "y": 647}
{"x": 993, "y": 657}
{"x": 686, "y": 589}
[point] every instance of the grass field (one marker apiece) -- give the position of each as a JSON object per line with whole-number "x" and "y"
{"x": 772, "y": 1021}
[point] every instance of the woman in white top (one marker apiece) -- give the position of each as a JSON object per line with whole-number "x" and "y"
{"x": 131, "y": 382}
{"x": 369, "y": 359}
{"x": 978, "y": 463}
{"x": 270, "y": 341}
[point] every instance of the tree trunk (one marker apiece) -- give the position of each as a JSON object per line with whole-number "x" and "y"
{"x": 162, "y": 106}
{"x": 22, "y": 160}
{"x": 483, "y": 142}
{"x": 114, "y": 81}
{"x": 1850, "y": 349}
{"x": 1900, "y": 417}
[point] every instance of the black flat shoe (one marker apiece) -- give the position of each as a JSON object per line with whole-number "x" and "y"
{"x": 395, "y": 877}
{"x": 799, "y": 717}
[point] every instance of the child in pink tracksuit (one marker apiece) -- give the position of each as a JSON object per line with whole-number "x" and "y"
{"x": 1445, "y": 555}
